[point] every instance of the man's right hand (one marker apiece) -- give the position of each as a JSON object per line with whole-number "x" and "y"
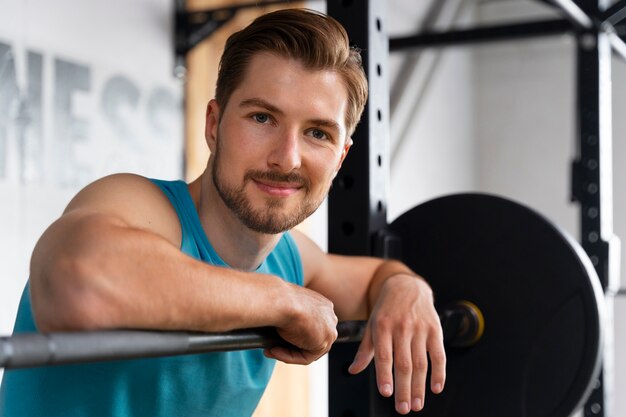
{"x": 312, "y": 328}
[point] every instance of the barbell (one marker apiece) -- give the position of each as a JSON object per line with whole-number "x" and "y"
{"x": 520, "y": 304}
{"x": 462, "y": 322}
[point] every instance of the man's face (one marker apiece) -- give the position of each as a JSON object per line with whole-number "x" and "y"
{"x": 279, "y": 142}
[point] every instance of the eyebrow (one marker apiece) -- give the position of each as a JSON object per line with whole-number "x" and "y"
{"x": 259, "y": 102}
{"x": 331, "y": 124}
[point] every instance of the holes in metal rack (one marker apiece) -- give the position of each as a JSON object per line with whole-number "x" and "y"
{"x": 347, "y": 228}
{"x": 346, "y": 182}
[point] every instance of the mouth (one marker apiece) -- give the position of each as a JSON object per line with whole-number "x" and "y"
{"x": 277, "y": 189}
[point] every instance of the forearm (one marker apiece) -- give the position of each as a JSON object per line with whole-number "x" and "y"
{"x": 130, "y": 278}
{"x": 386, "y": 270}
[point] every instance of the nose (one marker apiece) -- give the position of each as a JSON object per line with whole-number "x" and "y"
{"x": 285, "y": 154}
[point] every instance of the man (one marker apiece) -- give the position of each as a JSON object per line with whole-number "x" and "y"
{"x": 217, "y": 254}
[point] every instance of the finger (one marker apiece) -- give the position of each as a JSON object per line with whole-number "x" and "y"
{"x": 437, "y": 355}
{"x": 364, "y": 355}
{"x": 403, "y": 367}
{"x": 295, "y": 357}
{"x": 419, "y": 373}
{"x": 383, "y": 360}
{"x": 268, "y": 353}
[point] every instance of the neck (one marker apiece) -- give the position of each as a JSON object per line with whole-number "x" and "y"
{"x": 237, "y": 245}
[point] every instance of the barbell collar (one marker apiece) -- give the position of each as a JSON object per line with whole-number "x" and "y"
{"x": 463, "y": 324}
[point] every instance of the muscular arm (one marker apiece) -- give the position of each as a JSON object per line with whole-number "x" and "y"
{"x": 113, "y": 261}
{"x": 403, "y": 327}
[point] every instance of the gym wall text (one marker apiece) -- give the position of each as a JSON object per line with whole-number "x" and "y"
{"x": 65, "y": 122}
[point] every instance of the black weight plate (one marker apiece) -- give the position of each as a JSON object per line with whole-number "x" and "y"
{"x": 539, "y": 295}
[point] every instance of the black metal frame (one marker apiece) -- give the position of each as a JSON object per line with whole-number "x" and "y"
{"x": 592, "y": 184}
{"x": 358, "y": 202}
{"x": 492, "y": 33}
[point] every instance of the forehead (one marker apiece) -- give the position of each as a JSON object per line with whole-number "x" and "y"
{"x": 291, "y": 87}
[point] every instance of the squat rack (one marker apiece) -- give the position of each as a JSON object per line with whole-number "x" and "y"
{"x": 357, "y": 204}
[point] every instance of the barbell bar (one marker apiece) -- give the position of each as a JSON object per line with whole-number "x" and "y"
{"x": 462, "y": 323}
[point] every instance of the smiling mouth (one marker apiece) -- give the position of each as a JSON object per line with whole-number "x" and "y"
{"x": 277, "y": 184}
{"x": 277, "y": 189}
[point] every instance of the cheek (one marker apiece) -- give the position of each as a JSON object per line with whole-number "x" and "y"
{"x": 241, "y": 145}
{"x": 325, "y": 166}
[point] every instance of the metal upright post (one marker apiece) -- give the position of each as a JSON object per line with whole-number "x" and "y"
{"x": 592, "y": 181}
{"x": 357, "y": 202}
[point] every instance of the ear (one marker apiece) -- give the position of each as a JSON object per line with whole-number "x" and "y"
{"x": 212, "y": 123}
{"x": 344, "y": 153}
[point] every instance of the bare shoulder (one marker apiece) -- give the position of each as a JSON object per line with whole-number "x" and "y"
{"x": 133, "y": 199}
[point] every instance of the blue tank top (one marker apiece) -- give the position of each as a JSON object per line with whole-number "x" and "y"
{"x": 215, "y": 384}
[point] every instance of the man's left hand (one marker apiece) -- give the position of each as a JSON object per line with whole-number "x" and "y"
{"x": 403, "y": 331}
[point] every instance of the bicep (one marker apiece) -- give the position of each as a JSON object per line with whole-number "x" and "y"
{"x": 108, "y": 225}
{"x": 344, "y": 280}
{"x": 109, "y": 204}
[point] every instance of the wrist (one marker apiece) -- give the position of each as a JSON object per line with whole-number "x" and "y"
{"x": 397, "y": 278}
{"x": 411, "y": 278}
{"x": 285, "y": 302}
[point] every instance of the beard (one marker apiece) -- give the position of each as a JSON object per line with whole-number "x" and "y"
{"x": 272, "y": 218}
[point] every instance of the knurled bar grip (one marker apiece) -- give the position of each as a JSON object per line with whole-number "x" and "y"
{"x": 26, "y": 350}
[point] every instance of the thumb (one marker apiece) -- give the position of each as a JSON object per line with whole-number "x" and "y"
{"x": 364, "y": 355}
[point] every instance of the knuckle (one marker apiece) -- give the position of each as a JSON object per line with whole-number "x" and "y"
{"x": 403, "y": 365}
{"x": 420, "y": 364}
{"x": 437, "y": 331}
{"x": 383, "y": 323}
{"x": 405, "y": 328}
{"x": 438, "y": 356}
{"x": 383, "y": 357}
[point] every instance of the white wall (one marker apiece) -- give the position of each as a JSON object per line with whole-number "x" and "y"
{"x": 431, "y": 142}
{"x": 437, "y": 152}
{"x": 524, "y": 110}
{"x": 97, "y": 81}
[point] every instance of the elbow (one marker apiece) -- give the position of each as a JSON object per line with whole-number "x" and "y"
{"x": 62, "y": 298}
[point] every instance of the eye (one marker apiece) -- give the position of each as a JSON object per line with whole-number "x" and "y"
{"x": 318, "y": 134}
{"x": 261, "y": 118}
